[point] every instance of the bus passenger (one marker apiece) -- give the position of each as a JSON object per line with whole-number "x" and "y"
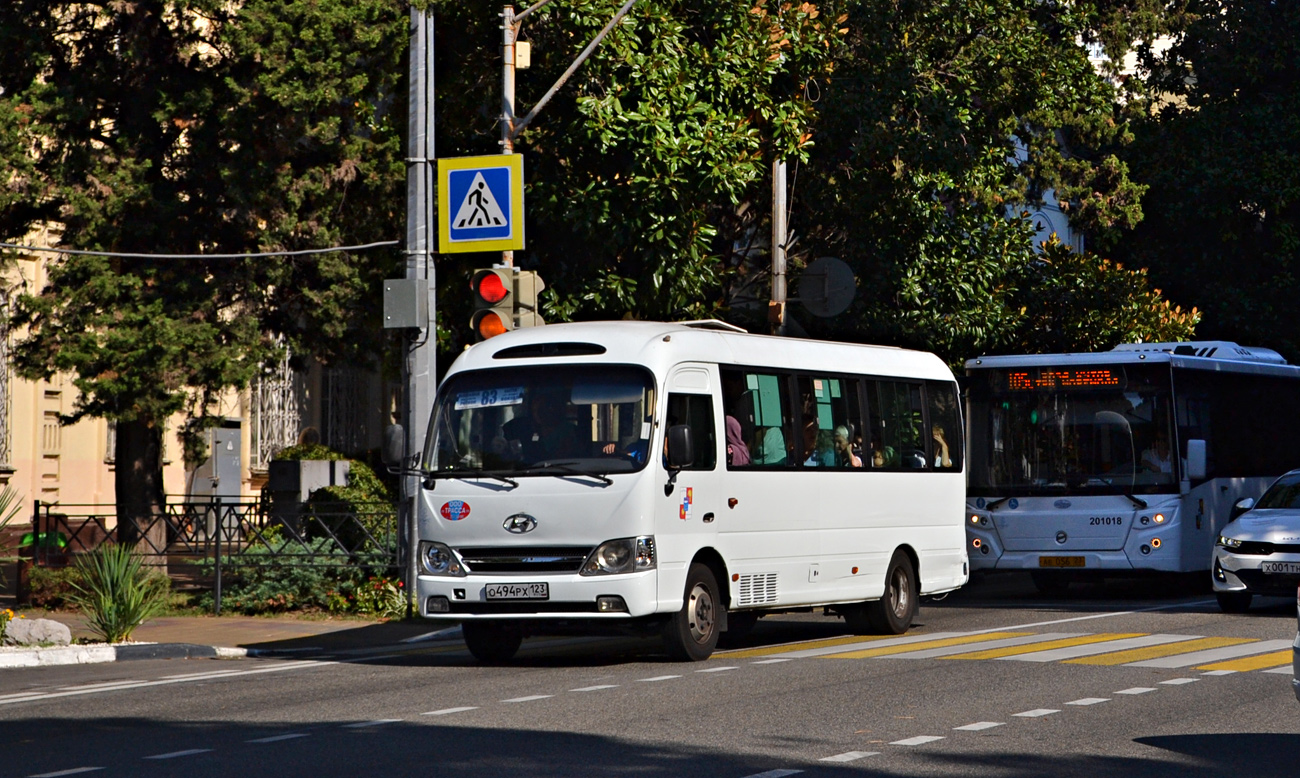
{"x": 737, "y": 451}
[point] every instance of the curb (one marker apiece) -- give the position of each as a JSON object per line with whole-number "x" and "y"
{"x": 85, "y": 655}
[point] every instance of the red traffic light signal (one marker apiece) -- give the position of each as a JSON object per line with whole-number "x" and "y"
{"x": 504, "y": 299}
{"x": 490, "y": 288}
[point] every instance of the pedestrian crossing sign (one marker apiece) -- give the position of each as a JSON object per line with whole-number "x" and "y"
{"x": 481, "y": 203}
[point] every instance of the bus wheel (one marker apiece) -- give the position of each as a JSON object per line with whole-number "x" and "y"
{"x": 692, "y": 633}
{"x": 1233, "y": 602}
{"x": 491, "y": 643}
{"x": 892, "y": 614}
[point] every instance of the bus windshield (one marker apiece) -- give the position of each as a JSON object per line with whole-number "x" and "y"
{"x": 550, "y": 420}
{"x": 1103, "y": 429}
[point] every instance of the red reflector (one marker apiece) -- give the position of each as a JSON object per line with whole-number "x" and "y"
{"x": 490, "y": 326}
{"x": 491, "y": 289}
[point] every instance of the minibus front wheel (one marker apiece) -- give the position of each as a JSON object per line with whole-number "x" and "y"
{"x": 491, "y": 642}
{"x": 692, "y": 633}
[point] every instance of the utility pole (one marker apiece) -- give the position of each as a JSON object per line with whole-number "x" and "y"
{"x": 418, "y": 367}
{"x": 776, "y": 308}
{"x": 508, "y": 32}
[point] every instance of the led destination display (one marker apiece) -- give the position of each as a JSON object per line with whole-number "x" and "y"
{"x": 1048, "y": 379}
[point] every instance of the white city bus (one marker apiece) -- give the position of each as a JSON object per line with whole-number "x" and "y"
{"x": 1127, "y": 460}
{"x": 683, "y": 480}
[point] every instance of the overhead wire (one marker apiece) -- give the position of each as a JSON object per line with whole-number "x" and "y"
{"x": 247, "y": 255}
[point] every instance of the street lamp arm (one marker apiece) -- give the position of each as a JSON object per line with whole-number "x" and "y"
{"x": 573, "y": 68}
{"x": 534, "y": 7}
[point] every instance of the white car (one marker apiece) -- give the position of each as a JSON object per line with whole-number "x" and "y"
{"x": 1258, "y": 552}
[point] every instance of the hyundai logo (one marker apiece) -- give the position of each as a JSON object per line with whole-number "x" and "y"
{"x": 1061, "y": 537}
{"x": 520, "y": 523}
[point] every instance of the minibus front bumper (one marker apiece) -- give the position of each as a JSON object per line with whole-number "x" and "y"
{"x": 613, "y": 597}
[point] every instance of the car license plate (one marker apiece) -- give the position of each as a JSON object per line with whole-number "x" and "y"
{"x": 1280, "y": 567}
{"x": 1061, "y": 561}
{"x": 519, "y": 591}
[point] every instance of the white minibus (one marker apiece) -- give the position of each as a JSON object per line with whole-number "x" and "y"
{"x": 683, "y": 480}
{"x": 1127, "y": 460}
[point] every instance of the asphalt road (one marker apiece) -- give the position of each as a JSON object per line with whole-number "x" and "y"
{"x": 1127, "y": 679}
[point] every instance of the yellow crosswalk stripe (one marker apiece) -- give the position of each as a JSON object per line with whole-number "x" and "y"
{"x": 785, "y": 649}
{"x": 1152, "y": 652}
{"x": 925, "y": 644}
{"x": 1276, "y": 659}
{"x": 996, "y": 653}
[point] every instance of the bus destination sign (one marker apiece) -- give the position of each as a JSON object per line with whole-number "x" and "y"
{"x": 1048, "y": 379}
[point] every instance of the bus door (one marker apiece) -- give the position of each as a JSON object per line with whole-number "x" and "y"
{"x": 689, "y": 504}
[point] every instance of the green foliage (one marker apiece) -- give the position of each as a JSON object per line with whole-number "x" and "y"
{"x": 198, "y": 126}
{"x": 360, "y": 515}
{"x": 1220, "y": 150}
{"x": 116, "y": 592}
{"x": 51, "y": 588}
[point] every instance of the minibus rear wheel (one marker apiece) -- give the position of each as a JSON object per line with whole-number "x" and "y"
{"x": 892, "y": 614}
{"x": 491, "y": 643}
{"x": 692, "y": 633}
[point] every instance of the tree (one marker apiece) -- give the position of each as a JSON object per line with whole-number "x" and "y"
{"x": 1220, "y": 150}
{"x": 196, "y": 126}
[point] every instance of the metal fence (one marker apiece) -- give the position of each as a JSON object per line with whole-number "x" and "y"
{"x": 217, "y": 536}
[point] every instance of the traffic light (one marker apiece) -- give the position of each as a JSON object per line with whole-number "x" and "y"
{"x": 504, "y": 299}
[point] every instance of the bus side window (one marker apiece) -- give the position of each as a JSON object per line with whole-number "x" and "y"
{"x": 696, "y": 412}
{"x": 897, "y": 417}
{"x": 758, "y": 403}
{"x": 831, "y": 421}
{"x": 945, "y": 425}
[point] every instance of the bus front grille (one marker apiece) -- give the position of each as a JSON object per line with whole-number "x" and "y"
{"x": 517, "y": 559}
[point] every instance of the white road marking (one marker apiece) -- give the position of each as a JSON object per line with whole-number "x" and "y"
{"x": 163, "y": 682}
{"x": 919, "y": 740}
{"x": 1214, "y": 654}
{"x": 596, "y": 688}
{"x": 1036, "y": 713}
{"x": 1136, "y": 690}
{"x": 1223, "y": 672}
{"x": 1092, "y": 649}
{"x": 717, "y": 669}
{"x": 1179, "y": 681}
{"x": 774, "y": 774}
{"x": 1278, "y": 670}
{"x": 1094, "y": 616}
{"x": 848, "y": 756}
{"x": 658, "y": 678}
{"x": 199, "y": 676}
{"x": 375, "y": 723}
{"x": 773, "y": 661}
{"x": 449, "y": 711}
{"x": 278, "y": 738}
{"x": 178, "y": 754}
{"x": 1089, "y": 701}
{"x": 73, "y": 771}
{"x": 97, "y": 686}
{"x": 845, "y": 648}
{"x": 978, "y": 726}
{"x": 529, "y": 698}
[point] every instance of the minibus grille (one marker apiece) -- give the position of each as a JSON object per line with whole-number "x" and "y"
{"x": 525, "y": 559}
{"x": 757, "y": 589}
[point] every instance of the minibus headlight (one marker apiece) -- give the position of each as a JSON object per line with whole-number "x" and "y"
{"x": 625, "y": 555}
{"x": 1228, "y": 542}
{"x": 439, "y": 559}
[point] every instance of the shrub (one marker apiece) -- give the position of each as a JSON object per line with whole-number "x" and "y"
{"x": 118, "y": 593}
{"x": 51, "y": 587}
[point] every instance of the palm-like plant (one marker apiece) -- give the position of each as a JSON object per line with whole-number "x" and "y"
{"x": 116, "y": 592}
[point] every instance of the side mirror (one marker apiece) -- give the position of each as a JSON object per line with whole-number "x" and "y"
{"x": 681, "y": 447}
{"x": 1243, "y": 505}
{"x": 394, "y": 445}
{"x": 1195, "y": 459}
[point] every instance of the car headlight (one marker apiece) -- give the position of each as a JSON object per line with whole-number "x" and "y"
{"x": 625, "y": 555}
{"x": 439, "y": 559}
{"x": 1228, "y": 542}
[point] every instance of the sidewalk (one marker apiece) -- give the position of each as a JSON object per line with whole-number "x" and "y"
{"x": 200, "y": 636}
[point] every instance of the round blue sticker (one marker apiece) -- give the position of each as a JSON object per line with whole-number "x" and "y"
{"x": 979, "y": 502}
{"x": 1013, "y": 504}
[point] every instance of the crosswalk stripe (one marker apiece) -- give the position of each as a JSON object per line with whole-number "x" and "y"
{"x": 1241, "y": 648}
{"x": 946, "y": 651}
{"x": 1073, "y": 652}
{"x": 924, "y": 644}
{"x": 1280, "y": 670}
{"x": 812, "y": 644}
{"x": 877, "y": 642}
{"x": 1151, "y": 652}
{"x": 998, "y": 653}
{"x": 1274, "y": 659}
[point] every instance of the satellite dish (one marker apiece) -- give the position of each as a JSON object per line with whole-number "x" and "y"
{"x": 826, "y": 287}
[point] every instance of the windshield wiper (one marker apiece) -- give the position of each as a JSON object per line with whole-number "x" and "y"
{"x": 433, "y": 475}
{"x": 995, "y": 503}
{"x": 567, "y": 467}
{"x": 1137, "y": 501}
